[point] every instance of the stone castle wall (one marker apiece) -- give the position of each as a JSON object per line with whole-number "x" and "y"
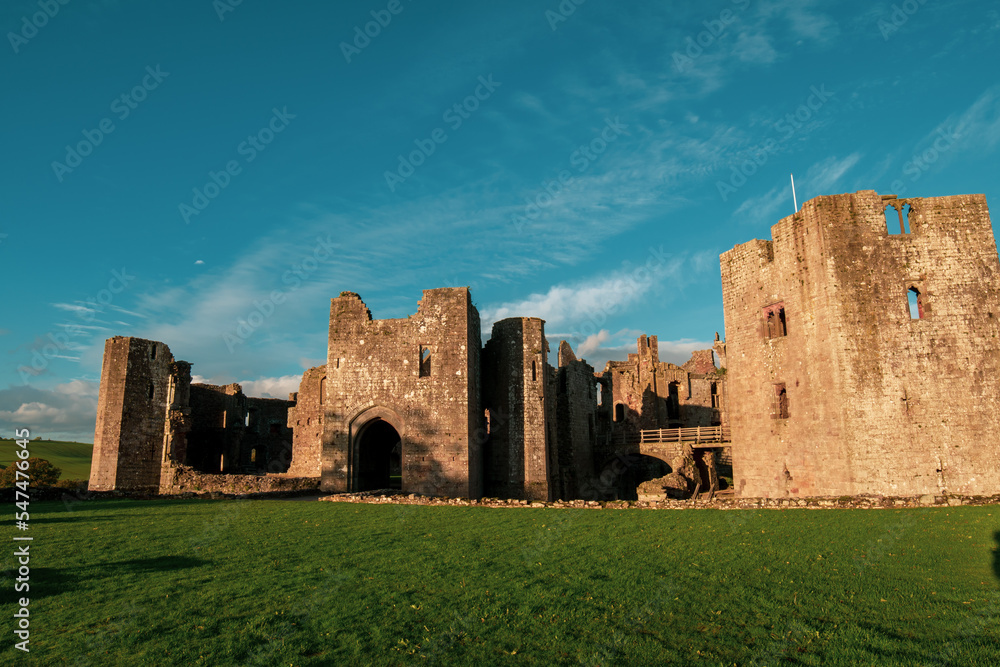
{"x": 834, "y": 389}
{"x": 417, "y": 374}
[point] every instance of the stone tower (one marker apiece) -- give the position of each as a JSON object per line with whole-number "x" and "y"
{"x": 863, "y": 349}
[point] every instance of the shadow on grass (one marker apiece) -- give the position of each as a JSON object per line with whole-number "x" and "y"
{"x": 71, "y": 505}
{"x": 996, "y": 555}
{"x": 46, "y": 581}
{"x": 69, "y": 518}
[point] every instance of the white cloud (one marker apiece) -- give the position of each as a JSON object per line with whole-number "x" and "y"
{"x": 589, "y": 303}
{"x": 820, "y": 179}
{"x": 274, "y": 387}
{"x": 67, "y": 411}
{"x": 264, "y": 387}
{"x": 593, "y": 342}
{"x": 755, "y": 48}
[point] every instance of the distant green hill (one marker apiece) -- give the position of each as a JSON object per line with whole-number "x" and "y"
{"x": 72, "y": 458}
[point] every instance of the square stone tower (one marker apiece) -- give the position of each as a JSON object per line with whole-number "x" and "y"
{"x": 402, "y": 398}
{"x": 863, "y": 349}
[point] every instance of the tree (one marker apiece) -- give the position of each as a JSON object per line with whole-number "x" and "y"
{"x": 40, "y": 473}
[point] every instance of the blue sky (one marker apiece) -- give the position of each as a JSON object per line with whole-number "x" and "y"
{"x": 172, "y": 170}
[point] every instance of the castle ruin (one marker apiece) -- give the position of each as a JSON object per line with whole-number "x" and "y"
{"x": 828, "y": 383}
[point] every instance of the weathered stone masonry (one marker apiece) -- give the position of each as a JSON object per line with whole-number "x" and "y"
{"x": 834, "y": 388}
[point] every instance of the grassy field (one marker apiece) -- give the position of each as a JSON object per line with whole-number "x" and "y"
{"x": 299, "y": 582}
{"x": 73, "y": 458}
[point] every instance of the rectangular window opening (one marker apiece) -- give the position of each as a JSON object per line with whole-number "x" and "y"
{"x": 775, "y": 323}
{"x": 425, "y": 361}
{"x": 780, "y": 402}
{"x": 916, "y": 303}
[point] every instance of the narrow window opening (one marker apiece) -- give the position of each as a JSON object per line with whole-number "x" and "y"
{"x": 152, "y": 352}
{"x": 253, "y": 456}
{"x": 619, "y": 412}
{"x": 904, "y": 218}
{"x": 893, "y": 219}
{"x": 488, "y": 422}
{"x": 780, "y": 402}
{"x": 715, "y": 395}
{"x": 775, "y": 323}
{"x": 425, "y": 361}
{"x": 534, "y": 371}
{"x": 322, "y": 390}
{"x": 600, "y": 394}
{"x": 150, "y": 390}
{"x": 916, "y": 303}
{"x": 673, "y": 401}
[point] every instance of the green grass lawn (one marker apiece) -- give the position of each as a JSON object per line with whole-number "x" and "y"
{"x": 283, "y": 582}
{"x": 72, "y": 458}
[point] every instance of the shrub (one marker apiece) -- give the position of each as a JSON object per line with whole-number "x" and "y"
{"x": 40, "y": 473}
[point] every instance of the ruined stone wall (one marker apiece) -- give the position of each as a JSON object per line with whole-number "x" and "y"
{"x": 705, "y": 405}
{"x": 520, "y": 451}
{"x": 849, "y": 394}
{"x": 576, "y": 417}
{"x": 218, "y": 419}
{"x": 132, "y": 415}
{"x": 376, "y": 372}
{"x": 184, "y": 479}
{"x": 266, "y": 445}
{"x": 642, "y": 387}
{"x": 305, "y": 419}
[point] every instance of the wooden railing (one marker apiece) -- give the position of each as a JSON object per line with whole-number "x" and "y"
{"x": 697, "y": 434}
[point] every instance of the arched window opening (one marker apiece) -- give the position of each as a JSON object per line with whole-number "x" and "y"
{"x": 904, "y": 218}
{"x": 619, "y": 412}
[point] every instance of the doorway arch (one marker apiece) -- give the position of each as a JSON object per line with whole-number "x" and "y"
{"x": 379, "y": 456}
